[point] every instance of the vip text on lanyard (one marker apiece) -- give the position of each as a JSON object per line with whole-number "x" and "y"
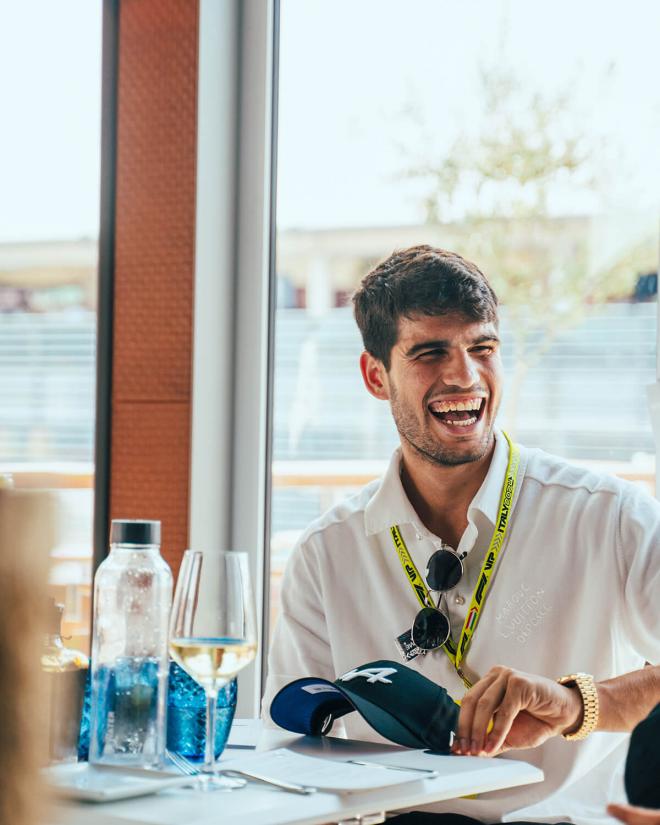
{"x": 457, "y": 652}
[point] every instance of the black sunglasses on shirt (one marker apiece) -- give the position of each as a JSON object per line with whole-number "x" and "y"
{"x": 431, "y": 627}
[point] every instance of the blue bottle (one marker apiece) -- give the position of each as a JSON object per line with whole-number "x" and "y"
{"x": 186, "y": 715}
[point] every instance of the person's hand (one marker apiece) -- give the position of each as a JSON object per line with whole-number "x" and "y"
{"x": 525, "y": 709}
{"x": 632, "y": 815}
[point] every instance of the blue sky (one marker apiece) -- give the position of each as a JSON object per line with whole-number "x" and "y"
{"x": 348, "y": 71}
{"x": 50, "y": 81}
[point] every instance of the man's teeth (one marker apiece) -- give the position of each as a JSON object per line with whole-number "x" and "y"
{"x": 464, "y": 423}
{"x": 456, "y": 406}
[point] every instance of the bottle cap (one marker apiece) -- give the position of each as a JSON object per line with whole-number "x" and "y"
{"x": 134, "y": 531}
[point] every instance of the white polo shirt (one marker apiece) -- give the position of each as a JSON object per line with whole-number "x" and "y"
{"x": 576, "y": 588}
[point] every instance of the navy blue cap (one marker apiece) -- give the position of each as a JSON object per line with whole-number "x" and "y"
{"x": 398, "y": 702}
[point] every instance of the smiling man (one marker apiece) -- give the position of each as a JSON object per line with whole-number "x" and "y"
{"x": 538, "y": 604}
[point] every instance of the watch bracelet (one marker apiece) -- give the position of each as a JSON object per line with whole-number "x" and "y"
{"x": 589, "y": 695}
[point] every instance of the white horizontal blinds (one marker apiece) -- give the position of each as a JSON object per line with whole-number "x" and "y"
{"x": 583, "y": 399}
{"x": 47, "y": 375}
{"x": 588, "y": 385}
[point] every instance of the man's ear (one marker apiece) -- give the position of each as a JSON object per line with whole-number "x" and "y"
{"x": 374, "y": 376}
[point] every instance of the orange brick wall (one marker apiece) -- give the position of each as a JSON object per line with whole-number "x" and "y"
{"x": 154, "y": 265}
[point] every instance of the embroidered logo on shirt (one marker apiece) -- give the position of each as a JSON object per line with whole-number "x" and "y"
{"x": 371, "y": 674}
{"x": 522, "y": 613}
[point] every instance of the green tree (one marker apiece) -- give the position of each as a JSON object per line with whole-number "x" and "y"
{"x": 498, "y": 186}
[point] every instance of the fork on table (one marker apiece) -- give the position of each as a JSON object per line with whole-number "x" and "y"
{"x": 187, "y": 767}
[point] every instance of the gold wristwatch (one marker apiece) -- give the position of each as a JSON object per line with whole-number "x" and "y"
{"x": 587, "y": 687}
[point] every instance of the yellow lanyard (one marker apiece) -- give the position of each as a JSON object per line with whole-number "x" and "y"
{"x": 456, "y": 653}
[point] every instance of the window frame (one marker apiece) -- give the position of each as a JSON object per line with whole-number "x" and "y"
{"x": 235, "y": 295}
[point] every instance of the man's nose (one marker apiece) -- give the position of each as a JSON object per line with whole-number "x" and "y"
{"x": 461, "y": 371}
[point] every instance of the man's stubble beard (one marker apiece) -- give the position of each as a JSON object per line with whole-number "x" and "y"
{"x": 425, "y": 445}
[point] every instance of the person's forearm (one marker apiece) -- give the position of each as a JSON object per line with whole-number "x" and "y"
{"x": 626, "y": 700}
{"x": 527, "y": 709}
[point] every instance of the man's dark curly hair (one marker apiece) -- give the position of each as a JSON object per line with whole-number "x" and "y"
{"x": 421, "y": 280}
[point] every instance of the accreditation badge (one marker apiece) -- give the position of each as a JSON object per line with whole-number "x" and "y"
{"x": 407, "y": 648}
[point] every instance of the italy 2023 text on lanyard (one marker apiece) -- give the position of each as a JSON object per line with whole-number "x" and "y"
{"x": 456, "y": 652}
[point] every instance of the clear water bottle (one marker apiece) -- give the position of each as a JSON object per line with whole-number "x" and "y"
{"x": 132, "y": 600}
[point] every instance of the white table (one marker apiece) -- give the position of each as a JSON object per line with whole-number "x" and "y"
{"x": 261, "y": 805}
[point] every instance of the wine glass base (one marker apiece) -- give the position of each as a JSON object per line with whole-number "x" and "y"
{"x": 217, "y": 782}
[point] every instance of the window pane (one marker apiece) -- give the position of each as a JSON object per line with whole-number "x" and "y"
{"x": 471, "y": 131}
{"x": 49, "y": 193}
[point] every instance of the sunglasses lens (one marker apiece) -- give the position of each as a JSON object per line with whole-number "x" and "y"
{"x": 430, "y": 629}
{"x": 444, "y": 570}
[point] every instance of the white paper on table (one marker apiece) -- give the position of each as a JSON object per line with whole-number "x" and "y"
{"x": 427, "y": 764}
{"x": 324, "y": 774}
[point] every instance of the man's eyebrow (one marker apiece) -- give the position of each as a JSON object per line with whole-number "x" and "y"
{"x": 483, "y": 338}
{"x": 439, "y": 343}
{"x": 445, "y": 343}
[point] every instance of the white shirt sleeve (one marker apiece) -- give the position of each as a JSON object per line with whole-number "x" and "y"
{"x": 300, "y": 645}
{"x": 639, "y": 562}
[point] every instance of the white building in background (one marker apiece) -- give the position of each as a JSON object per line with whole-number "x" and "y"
{"x": 43, "y": 276}
{"x": 321, "y": 268}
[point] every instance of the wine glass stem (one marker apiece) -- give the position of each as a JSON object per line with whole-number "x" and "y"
{"x": 211, "y": 710}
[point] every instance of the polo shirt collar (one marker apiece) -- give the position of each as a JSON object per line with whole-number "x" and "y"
{"x": 487, "y": 499}
{"x": 390, "y": 504}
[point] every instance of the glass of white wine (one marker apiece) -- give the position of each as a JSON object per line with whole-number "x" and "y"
{"x": 213, "y": 630}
